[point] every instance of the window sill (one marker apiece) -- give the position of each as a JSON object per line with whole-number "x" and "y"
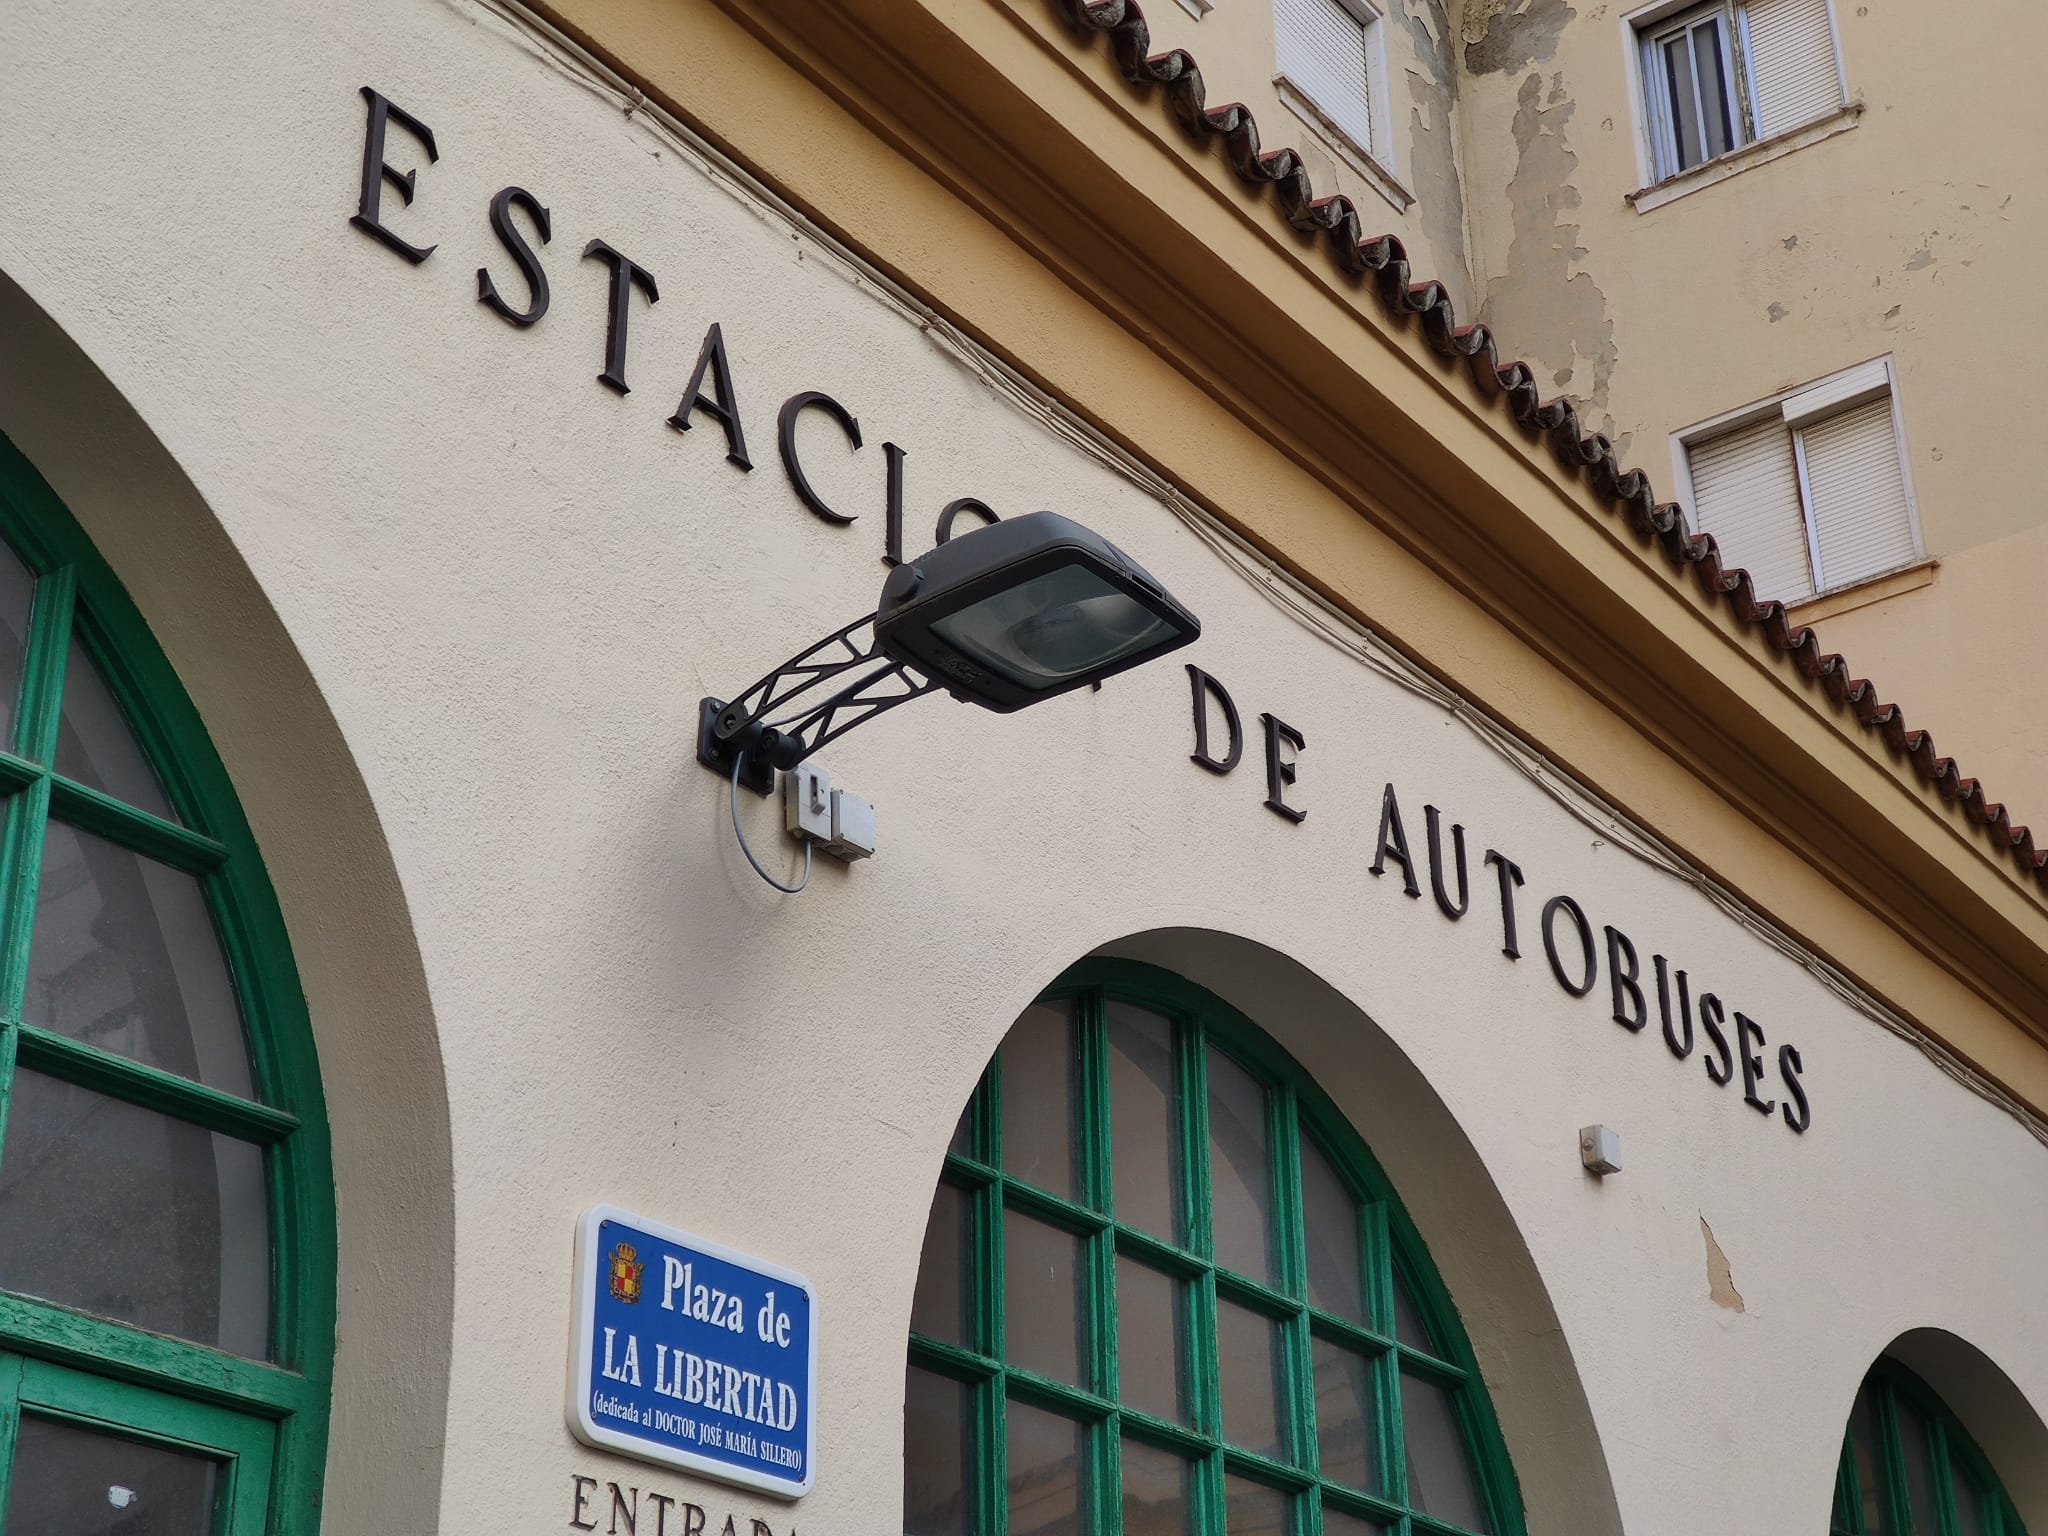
{"x": 1198, "y": 8}
{"x": 1713, "y": 172}
{"x": 1346, "y": 148}
{"x": 1907, "y": 578}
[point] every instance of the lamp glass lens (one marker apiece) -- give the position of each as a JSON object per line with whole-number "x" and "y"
{"x": 1053, "y": 628}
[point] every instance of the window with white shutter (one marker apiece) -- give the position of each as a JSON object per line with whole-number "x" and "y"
{"x": 1809, "y": 494}
{"x": 1326, "y": 50}
{"x": 1718, "y": 76}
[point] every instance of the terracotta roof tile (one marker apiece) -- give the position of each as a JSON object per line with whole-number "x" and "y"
{"x": 1382, "y": 261}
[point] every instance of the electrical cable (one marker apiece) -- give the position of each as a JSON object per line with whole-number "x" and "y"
{"x": 739, "y": 760}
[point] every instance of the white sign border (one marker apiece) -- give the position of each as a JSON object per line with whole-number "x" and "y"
{"x": 583, "y": 1342}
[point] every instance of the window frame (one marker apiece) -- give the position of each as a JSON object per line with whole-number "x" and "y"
{"x": 1948, "y": 1440}
{"x": 1656, "y": 145}
{"x": 1652, "y": 37}
{"x": 1810, "y": 404}
{"x": 1372, "y": 160}
{"x": 1388, "y": 1240}
{"x": 289, "y": 1393}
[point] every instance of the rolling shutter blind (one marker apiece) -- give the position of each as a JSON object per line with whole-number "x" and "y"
{"x": 1320, "y": 46}
{"x": 1792, "y": 60}
{"x": 1746, "y": 494}
{"x": 1859, "y": 494}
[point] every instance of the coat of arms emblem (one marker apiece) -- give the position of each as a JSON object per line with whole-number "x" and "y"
{"x": 626, "y": 1268}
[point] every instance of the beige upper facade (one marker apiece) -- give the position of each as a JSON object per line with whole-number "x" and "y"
{"x": 1886, "y": 215}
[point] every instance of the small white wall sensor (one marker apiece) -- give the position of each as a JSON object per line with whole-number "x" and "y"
{"x": 1600, "y": 1149}
{"x": 853, "y": 826}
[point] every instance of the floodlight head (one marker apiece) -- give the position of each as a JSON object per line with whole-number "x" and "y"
{"x": 1026, "y": 609}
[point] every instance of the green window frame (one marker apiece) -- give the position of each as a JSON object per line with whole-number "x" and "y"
{"x": 1909, "y": 1468}
{"x": 1392, "y": 1262}
{"x": 152, "y": 1385}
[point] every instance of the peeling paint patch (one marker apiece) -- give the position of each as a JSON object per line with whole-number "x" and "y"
{"x": 1432, "y": 147}
{"x": 1720, "y": 1278}
{"x": 1790, "y": 242}
{"x": 1541, "y": 306}
{"x": 1777, "y": 312}
{"x": 1503, "y": 36}
{"x": 1920, "y": 258}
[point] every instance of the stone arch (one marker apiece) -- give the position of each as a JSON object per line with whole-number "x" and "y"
{"x": 332, "y": 871}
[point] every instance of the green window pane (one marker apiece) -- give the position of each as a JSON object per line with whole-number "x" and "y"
{"x": 17, "y": 592}
{"x": 1248, "y": 1369}
{"x": 1151, "y": 1340}
{"x": 1240, "y": 1177}
{"x": 1345, "y": 1423}
{"x": 130, "y": 1214}
{"x": 1337, "y": 1522}
{"x": 938, "y": 1414}
{"x": 1158, "y": 1491}
{"x": 1409, "y": 1327}
{"x": 124, "y": 956}
{"x": 71, "y": 1481}
{"x": 1916, "y": 1453}
{"x": 1329, "y": 1229}
{"x": 1045, "y": 1494}
{"x": 1253, "y": 1509}
{"x": 95, "y": 744}
{"x": 1870, "y": 1474}
{"x": 1045, "y": 1299}
{"x": 1970, "y": 1500}
{"x": 941, "y": 1306}
{"x": 1145, "y": 1148}
{"x": 1441, "y": 1479}
{"x": 1039, "y": 1102}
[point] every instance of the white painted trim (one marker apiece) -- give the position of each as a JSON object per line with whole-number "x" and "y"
{"x": 1835, "y": 36}
{"x": 1713, "y": 172}
{"x": 1816, "y": 572}
{"x": 1198, "y": 8}
{"x": 1342, "y": 145}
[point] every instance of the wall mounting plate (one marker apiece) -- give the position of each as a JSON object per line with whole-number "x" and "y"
{"x": 757, "y": 775}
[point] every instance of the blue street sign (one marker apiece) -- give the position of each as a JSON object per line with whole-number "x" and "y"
{"x": 693, "y": 1356}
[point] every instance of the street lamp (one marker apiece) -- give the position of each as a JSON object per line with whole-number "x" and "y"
{"x": 1004, "y": 616}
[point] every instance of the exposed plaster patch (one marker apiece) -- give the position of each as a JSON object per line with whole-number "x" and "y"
{"x": 1777, "y": 312}
{"x": 1540, "y": 307}
{"x": 1790, "y": 242}
{"x": 1432, "y": 147}
{"x": 1920, "y": 258}
{"x": 1720, "y": 1279}
{"x": 1503, "y": 36}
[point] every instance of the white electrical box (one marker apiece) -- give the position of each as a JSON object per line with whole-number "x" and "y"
{"x": 807, "y": 802}
{"x": 853, "y": 826}
{"x": 1600, "y": 1149}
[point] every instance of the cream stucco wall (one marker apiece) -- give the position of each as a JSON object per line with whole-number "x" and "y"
{"x": 507, "y": 586}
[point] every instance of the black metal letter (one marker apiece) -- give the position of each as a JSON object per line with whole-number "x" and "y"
{"x": 1280, "y": 774}
{"x": 584, "y": 1488}
{"x": 1551, "y": 908}
{"x": 1746, "y": 1030}
{"x": 1510, "y": 875}
{"x": 1681, "y": 1048}
{"x": 621, "y": 1507}
{"x": 376, "y": 173}
{"x": 1789, "y": 1068}
{"x": 522, "y": 253}
{"x": 892, "y": 537}
{"x": 785, "y": 436}
{"x": 1621, "y": 981}
{"x": 953, "y": 509}
{"x": 1205, "y": 687}
{"x": 1393, "y": 843}
{"x": 1436, "y": 865}
{"x": 1712, "y": 1017}
{"x": 626, "y": 276}
{"x": 693, "y": 1520}
{"x": 722, "y": 406}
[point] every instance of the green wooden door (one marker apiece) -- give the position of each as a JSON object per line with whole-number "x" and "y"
{"x": 85, "y": 1456}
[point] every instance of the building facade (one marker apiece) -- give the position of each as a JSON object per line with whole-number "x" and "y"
{"x": 1497, "y": 1036}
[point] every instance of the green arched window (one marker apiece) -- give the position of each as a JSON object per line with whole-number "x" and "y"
{"x": 1165, "y": 1290}
{"x": 1909, "y": 1468}
{"x": 166, "y": 1221}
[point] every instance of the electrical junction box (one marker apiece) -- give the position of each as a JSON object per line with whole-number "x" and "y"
{"x": 807, "y": 802}
{"x": 853, "y": 827}
{"x": 1600, "y": 1150}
